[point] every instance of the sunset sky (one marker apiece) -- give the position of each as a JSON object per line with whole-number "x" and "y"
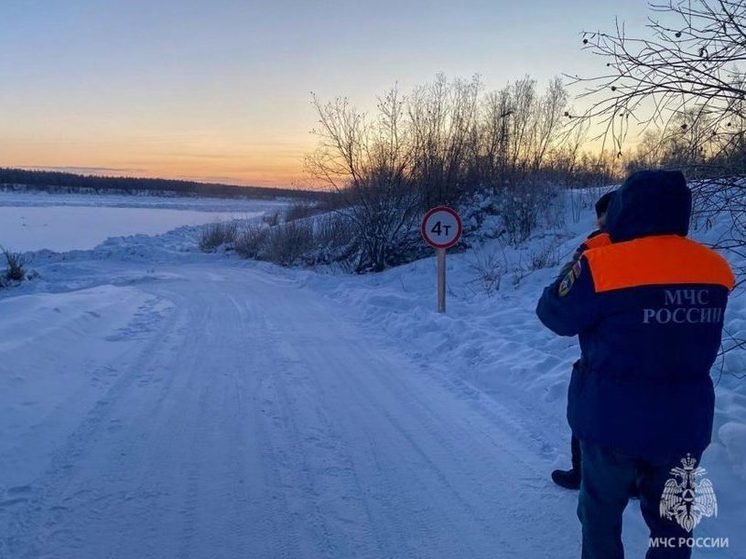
{"x": 219, "y": 90}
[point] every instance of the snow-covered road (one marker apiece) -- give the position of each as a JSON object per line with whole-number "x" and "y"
{"x": 236, "y": 415}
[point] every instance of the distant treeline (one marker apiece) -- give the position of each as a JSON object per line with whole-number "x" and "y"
{"x": 59, "y": 182}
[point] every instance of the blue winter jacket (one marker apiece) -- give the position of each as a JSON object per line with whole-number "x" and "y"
{"x": 648, "y": 310}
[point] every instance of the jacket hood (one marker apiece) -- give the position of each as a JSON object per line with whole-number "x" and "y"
{"x": 650, "y": 203}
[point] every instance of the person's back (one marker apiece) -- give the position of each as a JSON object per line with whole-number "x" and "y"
{"x": 647, "y": 362}
{"x": 649, "y": 310}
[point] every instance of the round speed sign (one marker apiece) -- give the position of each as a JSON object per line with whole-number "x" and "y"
{"x": 441, "y": 227}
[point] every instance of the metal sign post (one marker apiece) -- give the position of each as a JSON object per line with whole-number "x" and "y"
{"x": 441, "y": 228}
{"x": 441, "y": 258}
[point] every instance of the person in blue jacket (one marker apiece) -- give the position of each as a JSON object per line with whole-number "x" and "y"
{"x": 570, "y": 479}
{"x": 648, "y": 310}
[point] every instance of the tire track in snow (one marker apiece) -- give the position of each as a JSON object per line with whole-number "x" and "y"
{"x": 29, "y": 527}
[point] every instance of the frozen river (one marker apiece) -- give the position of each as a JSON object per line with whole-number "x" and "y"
{"x": 33, "y": 221}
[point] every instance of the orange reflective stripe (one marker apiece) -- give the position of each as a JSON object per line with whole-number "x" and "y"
{"x": 657, "y": 260}
{"x": 600, "y": 240}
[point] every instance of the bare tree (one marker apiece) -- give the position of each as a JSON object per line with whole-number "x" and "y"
{"x": 688, "y": 61}
{"x": 443, "y": 117}
{"x": 495, "y": 135}
{"x": 522, "y": 99}
{"x": 551, "y": 108}
{"x": 682, "y": 81}
{"x": 368, "y": 164}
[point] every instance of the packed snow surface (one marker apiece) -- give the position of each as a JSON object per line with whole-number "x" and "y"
{"x": 159, "y": 402}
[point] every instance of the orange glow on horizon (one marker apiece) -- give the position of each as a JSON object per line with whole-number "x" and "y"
{"x": 267, "y": 165}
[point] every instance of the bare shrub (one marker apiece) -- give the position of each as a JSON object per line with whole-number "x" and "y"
{"x": 286, "y": 244}
{"x": 217, "y": 234}
{"x": 16, "y": 265}
{"x": 521, "y": 208}
{"x": 520, "y": 271}
{"x": 488, "y": 268}
{"x": 335, "y": 239}
{"x": 251, "y": 241}
{"x": 301, "y": 210}
{"x": 325, "y": 240}
{"x": 553, "y": 215}
{"x": 334, "y": 230}
{"x": 723, "y": 200}
{"x": 271, "y": 219}
{"x": 546, "y": 256}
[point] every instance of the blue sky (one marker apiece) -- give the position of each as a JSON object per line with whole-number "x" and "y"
{"x": 220, "y": 89}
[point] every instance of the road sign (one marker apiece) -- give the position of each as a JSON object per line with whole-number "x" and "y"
{"x": 441, "y": 228}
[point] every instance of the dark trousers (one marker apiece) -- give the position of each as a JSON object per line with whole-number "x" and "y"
{"x": 608, "y": 479}
{"x": 575, "y": 452}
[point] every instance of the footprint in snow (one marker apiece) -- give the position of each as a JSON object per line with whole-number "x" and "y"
{"x": 16, "y": 495}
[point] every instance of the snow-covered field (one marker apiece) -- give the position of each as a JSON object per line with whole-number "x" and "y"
{"x": 37, "y": 220}
{"x": 159, "y": 402}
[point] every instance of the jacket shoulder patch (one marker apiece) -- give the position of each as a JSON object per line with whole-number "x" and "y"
{"x": 576, "y": 269}
{"x": 569, "y": 279}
